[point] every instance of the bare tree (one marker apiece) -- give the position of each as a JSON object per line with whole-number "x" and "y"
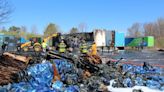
{"x": 23, "y": 28}
{"x": 148, "y": 27}
{"x": 155, "y": 29}
{"x": 5, "y": 11}
{"x": 160, "y": 23}
{"x": 82, "y": 27}
{"x": 34, "y": 30}
{"x": 152, "y": 29}
{"x": 23, "y": 31}
{"x": 135, "y": 30}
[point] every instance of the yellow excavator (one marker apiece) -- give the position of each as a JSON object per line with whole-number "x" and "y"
{"x": 36, "y": 46}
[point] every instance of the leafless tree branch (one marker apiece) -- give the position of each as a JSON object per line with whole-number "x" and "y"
{"x": 5, "y": 11}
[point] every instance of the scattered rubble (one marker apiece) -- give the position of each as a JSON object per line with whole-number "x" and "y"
{"x": 9, "y": 66}
{"x": 78, "y": 75}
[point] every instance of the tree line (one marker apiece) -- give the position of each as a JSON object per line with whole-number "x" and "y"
{"x": 23, "y": 32}
{"x": 155, "y": 29}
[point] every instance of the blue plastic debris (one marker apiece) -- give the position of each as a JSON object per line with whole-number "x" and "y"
{"x": 3, "y": 89}
{"x": 58, "y": 85}
{"x": 153, "y": 84}
{"x": 157, "y": 70}
{"x": 139, "y": 81}
{"x": 161, "y": 79}
{"x": 22, "y": 87}
{"x": 63, "y": 66}
{"x": 141, "y": 70}
{"x": 127, "y": 82}
{"x": 41, "y": 76}
{"x": 127, "y": 67}
{"x": 162, "y": 88}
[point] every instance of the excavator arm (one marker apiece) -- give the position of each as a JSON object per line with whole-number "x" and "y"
{"x": 49, "y": 37}
{"x": 26, "y": 46}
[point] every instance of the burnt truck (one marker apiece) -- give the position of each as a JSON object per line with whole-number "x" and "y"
{"x": 75, "y": 39}
{"x": 103, "y": 38}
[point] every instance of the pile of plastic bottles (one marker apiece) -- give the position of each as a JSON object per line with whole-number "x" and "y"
{"x": 41, "y": 76}
{"x": 150, "y": 77}
{"x": 69, "y": 74}
{"x": 141, "y": 70}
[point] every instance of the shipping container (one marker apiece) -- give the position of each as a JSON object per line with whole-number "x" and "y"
{"x": 147, "y": 41}
{"x": 119, "y": 39}
{"x": 108, "y": 37}
{"x": 128, "y": 40}
{"x": 99, "y": 37}
{"x": 135, "y": 42}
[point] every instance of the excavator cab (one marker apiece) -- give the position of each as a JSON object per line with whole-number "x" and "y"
{"x": 36, "y": 43}
{"x": 33, "y": 43}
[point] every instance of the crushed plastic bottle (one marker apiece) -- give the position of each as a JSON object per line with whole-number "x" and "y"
{"x": 57, "y": 85}
{"x": 162, "y": 88}
{"x": 139, "y": 81}
{"x": 127, "y": 82}
{"x": 153, "y": 84}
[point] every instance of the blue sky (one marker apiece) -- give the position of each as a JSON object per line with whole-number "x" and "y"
{"x": 106, "y": 14}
